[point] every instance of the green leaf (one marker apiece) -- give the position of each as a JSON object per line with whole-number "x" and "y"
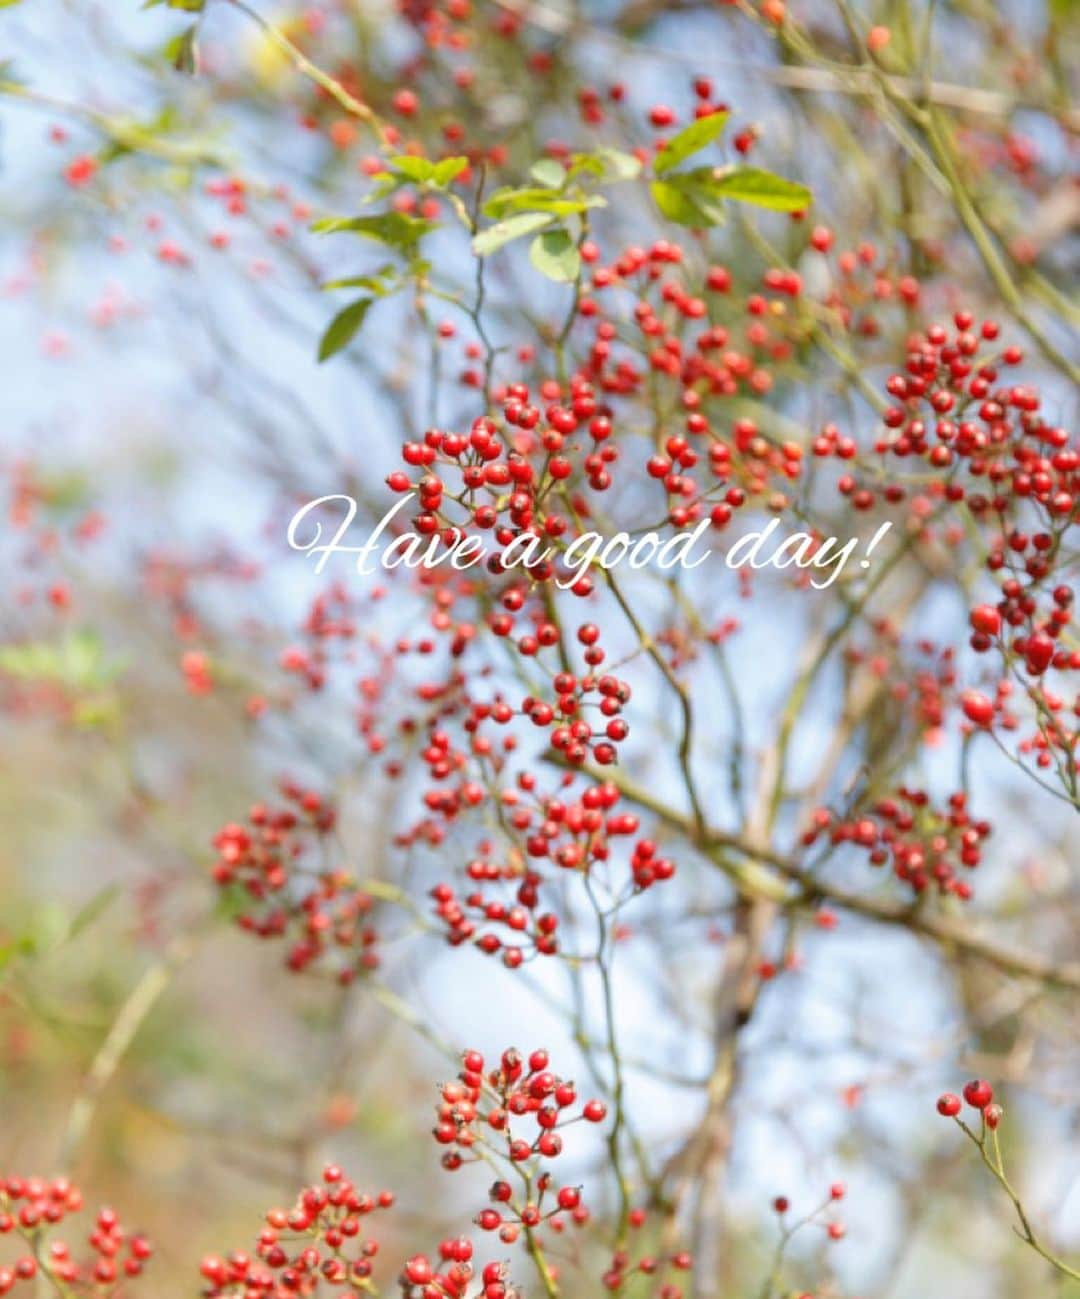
{"x": 448, "y": 169}
{"x": 342, "y": 329}
{"x": 394, "y": 228}
{"x": 379, "y": 282}
{"x": 8, "y": 4}
{"x": 686, "y": 199}
{"x": 506, "y": 201}
{"x": 514, "y": 227}
{"x": 763, "y": 189}
{"x": 606, "y": 164}
{"x": 690, "y": 140}
{"x": 549, "y": 173}
{"x": 696, "y": 198}
{"x": 183, "y": 51}
{"x": 78, "y": 662}
{"x": 555, "y": 255}
{"x": 422, "y": 171}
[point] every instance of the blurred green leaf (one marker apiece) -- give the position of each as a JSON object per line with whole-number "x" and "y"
{"x": 514, "y": 227}
{"x": 394, "y": 228}
{"x": 687, "y": 199}
{"x": 504, "y": 202}
{"x": 606, "y": 164}
{"x": 549, "y": 173}
{"x": 183, "y": 51}
{"x": 555, "y": 255}
{"x": 379, "y": 282}
{"x": 690, "y": 140}
{"x": 343, "y": 328}
{"x": 78, "y": 662}
{"x": 763, "y": 189}
{"x": 422, "y": 171}
{"x": 696, "y": 198}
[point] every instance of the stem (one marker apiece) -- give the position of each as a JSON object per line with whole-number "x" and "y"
{"x": 1026, "y": 1233}
{"x": 132, "y": 1015}
{"x": 353, "y": 106}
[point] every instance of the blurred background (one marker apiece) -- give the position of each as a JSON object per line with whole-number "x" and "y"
{"x": 164, "y": 415}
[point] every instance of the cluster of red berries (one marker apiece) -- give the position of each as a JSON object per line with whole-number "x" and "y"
{"x": 481, "y": 1113}
{"x": 525, "y": 931}
{"x": 450, "y": 1278}
{"x": 924, "y": 844}
{"x": 320, "y": 1240}
{"x": 31, "y": 1206}
{"x": 575, "y": 836}
{"x": 1039, "y": 650}
{"x": 267, "y": 866}
{"x": 979, "y": 1094}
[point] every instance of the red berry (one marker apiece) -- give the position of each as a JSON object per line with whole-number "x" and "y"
{"x": 986, "y": 619}
{"x": 978, "y": 1093}
{"x": 977, "y": 708}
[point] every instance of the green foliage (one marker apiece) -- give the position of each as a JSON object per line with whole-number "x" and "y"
{"x": 503, "y": 232}
{"x": 383, "y": 280}
{"x": 395, "y": 229}
{"x": 555, "y": 201}
{"x": 689, "y": 198}
{"x": 763, "y": 189}
{"x": 608, "y": 165}
{"x": 696, "y": 198}
{"x": 183, "y": 51}
{"x": 555, "y": 255}
{"x": 421, "y": 171}
{"x": 543, "y": 209}
{"x": 692, "y": 139}
{"x": 78, "y": 663}
{"x": 50, "y": 929}
{"x": 343, "y": 328}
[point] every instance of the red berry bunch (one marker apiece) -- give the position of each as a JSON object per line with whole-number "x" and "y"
{"x": 574, "y": 835}
{"x": 979, "y": 1094}
{"x": 31, "y": 1207}
{"x": 316, "y": 1248}
{"x": 274, "y": 870}
{"x": 450, "y": 1278}
{"x": 923, "y": 844}
{"x": 515, "y": 1114}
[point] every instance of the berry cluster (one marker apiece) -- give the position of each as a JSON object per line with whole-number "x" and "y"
{"x": 979, "y": 1094}
{"x": 575, "y": 835}
{"x": 452, "y": 1275}
{"x": 319, "y": 1243}
{"x": 923, "y": 844}
{"x": 33, "y": 1206}
{"x": 267, "y": 868}
{"x": 481, "y": 1115}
